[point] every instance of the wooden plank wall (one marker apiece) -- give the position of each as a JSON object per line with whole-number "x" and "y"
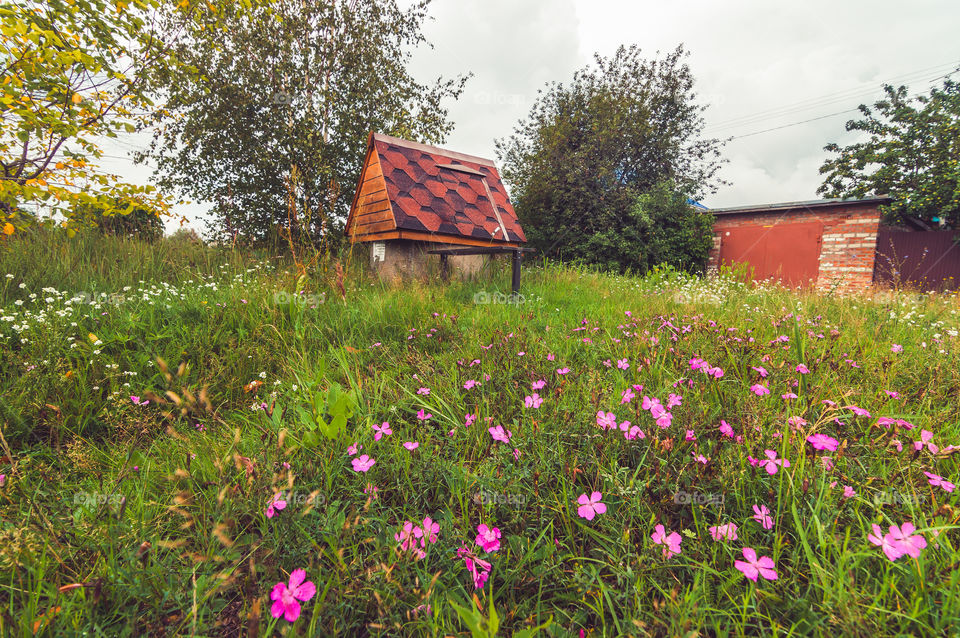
{"x": 373, "y": 213}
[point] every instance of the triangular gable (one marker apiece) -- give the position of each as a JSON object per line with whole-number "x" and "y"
{"x": 371, "y": 211}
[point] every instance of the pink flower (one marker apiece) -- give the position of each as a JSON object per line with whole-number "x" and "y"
{"x": 848, "y": 492}
{"x": 622, "y": 364}
{"x": 753, "y": 566}
{"x": 479, "y": 569}
{"x": 762, "y": 516}
{"x": 772, "y": 463}
{"x": 726, "y": 429}
{"x": 628, "y": 396}
{"x": 423, "y": 416}
{"x": 516, "y": 454}
{"x": 424, "y": 391}
{"x": 674, "y": 400}
{"x": 538, "y": 385}
{"x": 499, "y": 434}
{"x": 606, "y": 420}
{"x": 430, "y": 530}
{"x": 857, "y": 410}
{"x": 533, "y": 401}
{"x": 488, "y": 538}
{"x": 823, "y": 442}
{"x": 886, "y": 542}
{"x": 909, "y": 543}
{"x": 285, "y": 597}
{"x": 276, "y": 504}
{"x": 892, "y": 394}
{"x": 362, "y": 463}
{"x": 470, "y": 385}
{"x": 590, "y": 506}
{"x": 760, "y": 370}
{"x": 563, "y": 370}
{"x": 353, "y": 449}
{"x": 671, "y": 543}
{"x": 802, "y": 369}
{"x": 381, "y": 430}
{"x": 788, "y": 395}
{"x": 469, "y": 420}
{"x": 925, "y": 437}
{"x": 939, "y": 481}
{"x": 690, "y": 436}
{"x": 411, "y": 445}
{"x": 896, "y": 348}
{"x": 759, "y": 390}
{"x": 136, "y": 400}
{"x": 727, "y": 531}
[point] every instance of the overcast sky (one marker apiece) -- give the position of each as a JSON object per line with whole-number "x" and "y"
{"x": 758, "y": 64}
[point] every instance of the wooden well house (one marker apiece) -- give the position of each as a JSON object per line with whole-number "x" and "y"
{"x": 424, "y": 209}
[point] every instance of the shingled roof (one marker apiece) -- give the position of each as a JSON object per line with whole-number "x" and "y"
{"x": 409, "y": 190}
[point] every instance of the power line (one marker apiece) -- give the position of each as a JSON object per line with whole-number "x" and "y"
{"x": 777, "y": 128}
{"x": 831, "y": 98}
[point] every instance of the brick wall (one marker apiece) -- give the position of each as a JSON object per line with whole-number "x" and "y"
{"x": 848, "y": 247}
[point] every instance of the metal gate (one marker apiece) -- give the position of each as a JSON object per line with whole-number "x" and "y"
{"x": 926, "y": 259}
{"x": 787, "y": 252}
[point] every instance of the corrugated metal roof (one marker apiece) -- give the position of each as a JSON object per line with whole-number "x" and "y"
{"x": 810, "y": 204}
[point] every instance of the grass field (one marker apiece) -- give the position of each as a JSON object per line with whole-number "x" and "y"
{"x": 183, "y": 429}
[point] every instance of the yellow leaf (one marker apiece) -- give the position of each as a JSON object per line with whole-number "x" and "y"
{"x": 8, "y": 229}
{"x": 76, "y": 98}
{"x": 92, "y": 337}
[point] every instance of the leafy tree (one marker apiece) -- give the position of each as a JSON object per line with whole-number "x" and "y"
{"x": 577, "y": 164}
{"x": 139, "y": 223}
{"x": 912, "y": 154}
{"x": 273, "y": 126}
{"x": 74, "y": 72}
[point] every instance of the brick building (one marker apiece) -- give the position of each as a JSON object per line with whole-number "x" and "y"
{"x": 825, "y": 243}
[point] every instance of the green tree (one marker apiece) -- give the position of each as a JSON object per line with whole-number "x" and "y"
{"x": 74, "y": 72}
{"x": 577, "y": 164}
{"x": 273, "y": 126}
{"x": 912, "y": 153}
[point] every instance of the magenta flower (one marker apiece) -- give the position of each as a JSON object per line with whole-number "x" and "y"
{"x": 353, "y": 449}
{"x": 430, "y": 530}
{"x": 939, "y": 481}
{"x": 896, "y": 348}
{"x": 762, "y": 516}
{"x": 726, "y": 531}
{"x": 499, "y": 434}
{"x": 627, "y": 396}
{"x": 538, "y": 385}
{"x": 726, "y": 429}
{"x": 285, "y": 597}
{"x": 848, "y": 492}
{"x": 606, "y": 420}
{"x": 533, "y": 401}
{"x": 857, "y": 410}
{"x": 925, "y": 438}
{"x": 362, "y": 463}
{"x": 479, "y": 569}
{"x": 469, "y": 420}
{"x": 411, "y": 445}
{"x": 670, "y": 542}
{"x": 276, "y": 505}
{"x": 760, "y": 370}
{"x": 772, "y": 463}
{"x": 424, "y": 416}
{"x": 753, "y": 566}
{"x": 622, "y": 364}
{"x": 910, "y": 543}
{"x": 886, "y": 542}
{"x": 423, "y": 391}
{"x": 470, "y": 385}
{"x": 788, "y": 395}
{"x": 802, "y": 369}
{"x": 590, "y": 506}
{"x": 488, "y": 538}
{"x": 823, "y": 442}
{"x": 136, "y": 400}
{"x": 563, "y": 370}
{"x": 381, "y": 430}
{"x": 759, "y": 390}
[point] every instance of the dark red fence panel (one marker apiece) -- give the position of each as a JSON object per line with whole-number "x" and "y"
{"x": 929, "y": 260}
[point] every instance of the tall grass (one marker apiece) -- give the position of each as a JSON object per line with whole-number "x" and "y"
{"x": 119, "y": 518}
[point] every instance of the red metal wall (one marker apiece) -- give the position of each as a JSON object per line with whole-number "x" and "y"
{"x": 929, "y": 260}
{"x": 789, "y": 253}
